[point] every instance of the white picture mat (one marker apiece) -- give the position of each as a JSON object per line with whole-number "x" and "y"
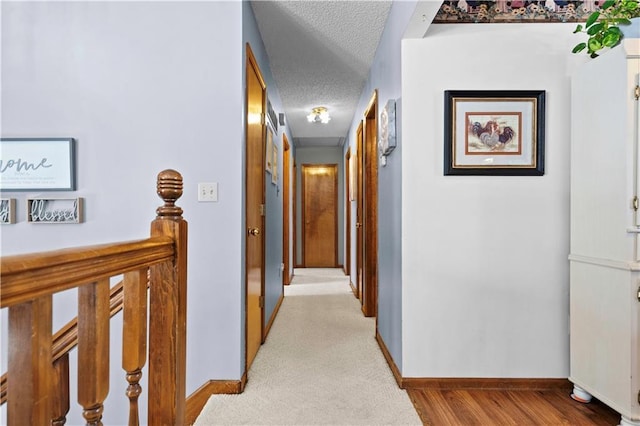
{"x": 526, "y": 158}
{"x": 45, "y": 164}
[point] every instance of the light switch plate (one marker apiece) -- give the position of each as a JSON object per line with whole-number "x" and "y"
{"x": 208, "y": 192}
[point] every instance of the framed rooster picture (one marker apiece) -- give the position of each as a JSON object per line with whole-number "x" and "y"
{"x": 494, "y": 132}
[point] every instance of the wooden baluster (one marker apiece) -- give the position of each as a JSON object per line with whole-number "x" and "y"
{"x": 168, "y": 311}
{"x": 30, "y": 369}
{"x": 134, "y": 336}
{"x": 60, "y": 390}
{"x": 93, "y": 349}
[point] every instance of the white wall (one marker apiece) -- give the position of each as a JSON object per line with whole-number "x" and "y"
{"x": 485, "y": 269}
{"x": 142, "y": 87}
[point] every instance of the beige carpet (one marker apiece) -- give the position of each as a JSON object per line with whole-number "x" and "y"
{"x": 320, "y": 365}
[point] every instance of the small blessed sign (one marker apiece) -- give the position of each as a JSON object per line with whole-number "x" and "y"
{"x": 7, "y": 210}
{"x": 47, "y": 210}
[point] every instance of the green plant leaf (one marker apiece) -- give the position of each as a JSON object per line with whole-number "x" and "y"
{"x": 594, "y": 45}
{"x": 603, "y": 25}
{"x": 614, "y": 30}
{"x": 579, "y": 47}
{"x": 591, "y": 19}
{"x": 611, "y": 39}
{"x": 595, "y": 28}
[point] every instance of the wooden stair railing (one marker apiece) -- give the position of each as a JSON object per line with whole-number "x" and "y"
{"x": 66, "y": 338}
{"x": 38, "y": 385}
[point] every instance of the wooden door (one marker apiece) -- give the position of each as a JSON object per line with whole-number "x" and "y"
{"x": 320, "y": 215}
{"x": 370, "y": 209}
{"x": 359, "y": 214}
{"x": 255, "y": 199}
{"x": 286, "y": 220}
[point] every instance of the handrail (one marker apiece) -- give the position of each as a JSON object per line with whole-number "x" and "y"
{"x": 26, "y": 277}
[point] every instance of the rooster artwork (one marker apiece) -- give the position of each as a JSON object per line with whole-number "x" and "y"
{"x": 493, "y": 134}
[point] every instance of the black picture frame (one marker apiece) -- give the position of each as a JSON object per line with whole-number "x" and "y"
{"x": 494, "y": 132}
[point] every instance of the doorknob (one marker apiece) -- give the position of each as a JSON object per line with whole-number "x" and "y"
{"x": 358, "y": 225}
{"x": 254, "y": 231}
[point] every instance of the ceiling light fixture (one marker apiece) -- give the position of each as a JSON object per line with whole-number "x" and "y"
{"x": 319, "y": 115}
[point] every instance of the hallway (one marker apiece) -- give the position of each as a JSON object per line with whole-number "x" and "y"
{"x": 320, "y": 365}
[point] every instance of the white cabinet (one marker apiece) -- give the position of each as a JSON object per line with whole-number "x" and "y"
{"x": 605, "y": 253}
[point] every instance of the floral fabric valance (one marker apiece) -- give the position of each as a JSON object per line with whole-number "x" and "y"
{"x": 514, "y": 11}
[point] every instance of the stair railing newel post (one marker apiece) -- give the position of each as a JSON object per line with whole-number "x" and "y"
{"x": 168, "y": 310}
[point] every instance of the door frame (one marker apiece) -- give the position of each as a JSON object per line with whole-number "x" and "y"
{"x": 286, "y": 218}
{"x": 294, "y": 189}
{"x": 359, "y": 215}
{"x": 252, "y": 66}
{"x": 303, "y": 218}
{"x": 370, "y": 211}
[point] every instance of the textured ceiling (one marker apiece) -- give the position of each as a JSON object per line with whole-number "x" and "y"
{"x": 320, "y": 53}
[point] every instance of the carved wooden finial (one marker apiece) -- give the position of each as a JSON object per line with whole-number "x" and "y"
{"x": 169, "y": 189}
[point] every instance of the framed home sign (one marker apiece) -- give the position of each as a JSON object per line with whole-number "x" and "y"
{"x": 494, "y": 132}
{"x": 37, "y": 164}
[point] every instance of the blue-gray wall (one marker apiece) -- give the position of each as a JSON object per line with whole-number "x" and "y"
{"x": 273, "y": 192}
{"x": 385, "y": 76}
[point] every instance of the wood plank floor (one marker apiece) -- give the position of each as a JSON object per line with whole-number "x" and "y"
{"x": 471, "y": 407}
